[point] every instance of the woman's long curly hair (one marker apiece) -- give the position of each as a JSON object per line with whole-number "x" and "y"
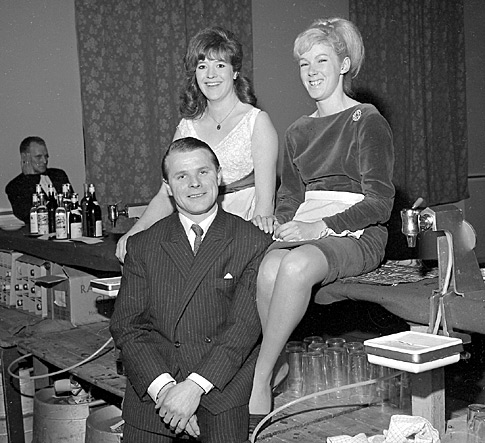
{"x": 214, "y": 43}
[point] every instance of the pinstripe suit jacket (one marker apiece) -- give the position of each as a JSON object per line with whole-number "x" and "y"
{"x": 179, "y": 314}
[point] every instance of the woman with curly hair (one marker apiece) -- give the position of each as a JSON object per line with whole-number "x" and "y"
{"x": 218, "y": 107}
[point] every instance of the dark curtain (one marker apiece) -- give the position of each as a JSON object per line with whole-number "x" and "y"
{"x": 414, "y": 73}
{"x": 131, "y": 66}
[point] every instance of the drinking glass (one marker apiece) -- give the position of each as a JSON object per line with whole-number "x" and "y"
{"x": 336, "y": 370}
{"x": 313, "y": 373}
{"x": 358, "y": 372}
{"x": 307, "y": 341}
{"x": 476, "y": 433}
{"x": 317, "y": 346}
{"x": 475, "y": 421}
{"x": 294, "y": 381}
{"x": 353, "y": 346}
{"x": 335, "y": 342}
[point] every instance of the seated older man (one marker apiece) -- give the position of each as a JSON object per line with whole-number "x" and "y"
{"x": 34, "y": 159}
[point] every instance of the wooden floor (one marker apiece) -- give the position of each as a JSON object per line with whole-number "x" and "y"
{"x": 316, "y": 419}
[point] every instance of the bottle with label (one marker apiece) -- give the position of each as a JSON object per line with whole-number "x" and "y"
{"x": 95, "y": 223}
{"x": 75, "y": 218}
{"x": 66, "y": 193}
{"x": 42, "y": 216}
{"x": 84, "y": 209}
{"x": 61, "y": 219}
{"x": 51, "y": 207}
{"x": 40, "y": 192}
{"x": 34, "y": 225}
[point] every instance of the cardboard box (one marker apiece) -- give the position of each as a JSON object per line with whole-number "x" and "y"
{"x": 8, "y": 277}
{"x": 70, "y": 296}
{"x": 31, "y": 297}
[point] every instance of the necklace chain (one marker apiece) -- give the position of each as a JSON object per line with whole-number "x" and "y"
{"x": 218, "y": 127}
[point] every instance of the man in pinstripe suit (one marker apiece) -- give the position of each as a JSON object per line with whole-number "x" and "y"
{"x": 185, "y": 317}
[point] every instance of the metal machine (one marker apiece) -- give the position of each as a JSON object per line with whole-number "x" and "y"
{"x": 459, "y": 273}
{"x": 130, "y": 211}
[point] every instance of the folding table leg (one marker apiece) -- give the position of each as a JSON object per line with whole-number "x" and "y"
{"x": 13, "y": 402}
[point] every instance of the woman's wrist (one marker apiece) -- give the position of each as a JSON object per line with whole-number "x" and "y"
{"x": 323, "y": 229}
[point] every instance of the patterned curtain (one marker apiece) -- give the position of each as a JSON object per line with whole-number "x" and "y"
{"x": 414, "y": 73}
{"x": 131, "y": 65}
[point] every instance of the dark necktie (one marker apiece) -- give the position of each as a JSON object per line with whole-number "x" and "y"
{"x": 198, "y": 237}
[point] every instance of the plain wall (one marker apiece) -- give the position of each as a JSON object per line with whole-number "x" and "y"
{"x": 40, "y": 86}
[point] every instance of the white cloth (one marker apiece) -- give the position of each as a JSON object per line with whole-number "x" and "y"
{"x": 407, "y": 428}
{"x": 402, "y": 429}
{"x": 359, "y": 438}
{"x": 45, "y": 181}
{"x": 320, "y": 204}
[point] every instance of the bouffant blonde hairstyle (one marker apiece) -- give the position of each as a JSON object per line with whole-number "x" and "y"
{"x": 341, "y": 35}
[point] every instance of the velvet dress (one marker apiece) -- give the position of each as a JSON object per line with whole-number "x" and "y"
{"x": 347, "y": 152}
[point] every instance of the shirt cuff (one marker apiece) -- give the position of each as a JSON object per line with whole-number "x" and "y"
{"x": 205, "y": 384}
{"x": 157, "y": 384}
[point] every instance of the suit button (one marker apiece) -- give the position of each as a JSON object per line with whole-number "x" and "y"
{"x": 208, "y": 340}
{"x": 177, "y": 344}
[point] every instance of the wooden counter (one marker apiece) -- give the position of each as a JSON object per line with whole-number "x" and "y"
{"x": 409, "y": 301}
{"x": 99, "y": 257}
{"x": 67, "y": 348}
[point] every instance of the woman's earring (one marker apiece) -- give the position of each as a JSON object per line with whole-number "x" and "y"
{"x": 236, "y": 75}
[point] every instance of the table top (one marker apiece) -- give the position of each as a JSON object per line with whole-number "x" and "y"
{"x": 13, "y": 324}
{"x": 67, "y": 348}
{"x": 95, "y": 257}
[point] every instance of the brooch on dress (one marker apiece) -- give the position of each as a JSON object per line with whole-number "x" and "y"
{"x": 356, "y": 115}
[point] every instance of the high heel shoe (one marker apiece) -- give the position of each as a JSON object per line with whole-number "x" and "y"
{"x": 280, "y": 377}
{"x": 255, "y": 420}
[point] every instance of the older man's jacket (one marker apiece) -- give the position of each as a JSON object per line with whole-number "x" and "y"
{"x": 180, "y": 314}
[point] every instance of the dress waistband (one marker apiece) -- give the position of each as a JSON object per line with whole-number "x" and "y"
{"x": 238, "y": 185}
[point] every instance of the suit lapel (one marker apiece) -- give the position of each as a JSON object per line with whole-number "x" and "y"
{"x": 177, "y": 246}
{"x": 194, "y": 269}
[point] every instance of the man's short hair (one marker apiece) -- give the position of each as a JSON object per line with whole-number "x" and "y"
{"x": 26, "y": 142}
{"x": 187, "y": 144}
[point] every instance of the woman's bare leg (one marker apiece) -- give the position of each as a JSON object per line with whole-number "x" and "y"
{"x": 291, "y": 275}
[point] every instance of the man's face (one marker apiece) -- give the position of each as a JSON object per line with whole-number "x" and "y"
{"x": 38, "y": 157}
{"x": 193, "y": 181}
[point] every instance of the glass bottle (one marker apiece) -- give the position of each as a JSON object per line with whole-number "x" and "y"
{"x": 42, "y": 216}
{"x": 34, "y": 224}
{"x": 75, "y": 218}
{"x": 95, "y": 223}
{"x": 66, "y": 193}
{"x": 61, "y": 219}
{"x": 84, "y": 209}
{"x": 51, "y": 207}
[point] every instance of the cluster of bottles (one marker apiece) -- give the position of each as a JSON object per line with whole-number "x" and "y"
{"x": 64, "y": 215}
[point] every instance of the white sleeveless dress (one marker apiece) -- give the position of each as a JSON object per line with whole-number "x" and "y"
{"x": 234, "y": 154}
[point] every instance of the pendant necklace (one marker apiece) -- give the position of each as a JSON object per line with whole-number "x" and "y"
{"x": 218, "y": 127}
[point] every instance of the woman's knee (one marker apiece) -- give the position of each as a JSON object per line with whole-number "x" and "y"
{"x": 304, "y": 265}
{"x": 268, "y": 270}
